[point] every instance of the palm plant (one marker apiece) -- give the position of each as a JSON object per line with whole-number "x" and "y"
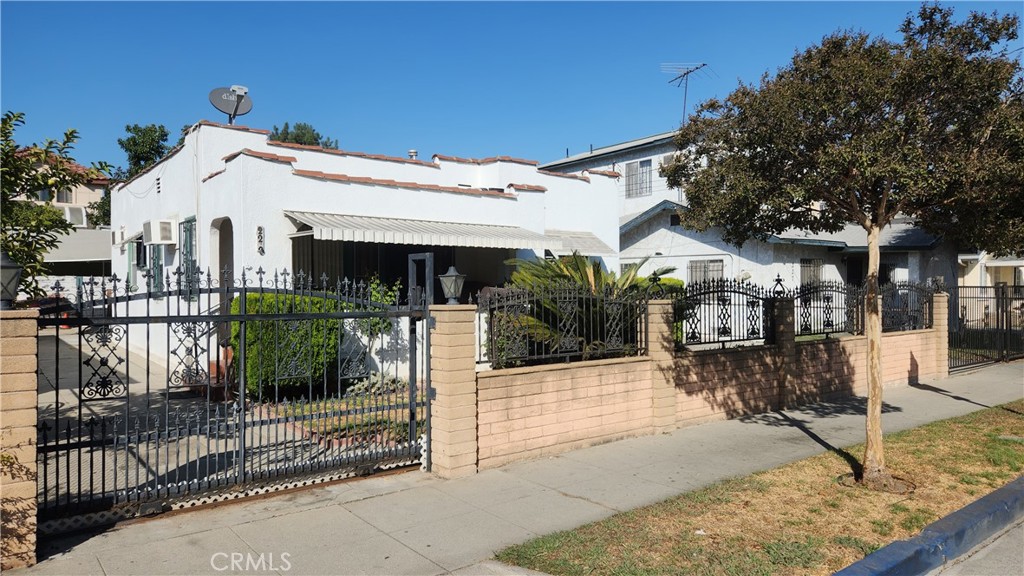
{"x": 580, "y": 271}
{"x": 565, "y": 308}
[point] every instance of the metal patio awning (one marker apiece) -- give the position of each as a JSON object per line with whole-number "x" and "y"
{"x": 583, "y": 242}
{"x": 347, "y": 228}
{"x": 82, "y": 245}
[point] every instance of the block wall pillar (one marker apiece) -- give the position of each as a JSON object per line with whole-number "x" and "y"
{"x": 18, "y": 399}
{"x": 661, "y": 348}
{"x": 784, "y": 338}
{"x": 940, "y": 326}
{"x": 453, "y": 424}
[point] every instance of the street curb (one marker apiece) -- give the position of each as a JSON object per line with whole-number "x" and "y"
{"x": 946, "y": 538}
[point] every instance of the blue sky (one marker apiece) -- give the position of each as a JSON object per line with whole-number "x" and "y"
{"x": 524, "y": 79}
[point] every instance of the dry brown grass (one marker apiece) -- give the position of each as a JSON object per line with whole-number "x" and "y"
{"x": 797, "y": 519}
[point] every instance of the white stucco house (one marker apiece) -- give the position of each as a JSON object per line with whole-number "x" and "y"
{"x": 230, "y": 198}
{"x": 649, "y": 227}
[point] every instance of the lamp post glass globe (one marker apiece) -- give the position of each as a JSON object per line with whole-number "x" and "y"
{"x": 10, "y": 277}
{"x": 451, "y": 284}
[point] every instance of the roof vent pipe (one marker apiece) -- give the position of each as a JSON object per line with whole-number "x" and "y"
{"x": 413, "y": 153}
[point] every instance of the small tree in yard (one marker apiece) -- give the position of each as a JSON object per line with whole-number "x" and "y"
{"x": 29, "y": 230}
{"x": 860, "y": 130}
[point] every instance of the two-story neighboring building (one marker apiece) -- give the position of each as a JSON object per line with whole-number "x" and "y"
{"x": 649, "y": 228}
{"x": 85, "y": 252}
{"x": 230, "y": 198}
{"x": 982, "y": 269}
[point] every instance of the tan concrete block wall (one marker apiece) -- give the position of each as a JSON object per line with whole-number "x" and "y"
{"x": 18, "y": 399}
{"x": 541, "y": 410}
{"x": 719, "y": 384}
{"x": 660, "y": 349}
{"x": 453, "y": 418}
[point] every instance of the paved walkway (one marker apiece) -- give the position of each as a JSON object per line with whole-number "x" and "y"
{"x": 413, "y": 523}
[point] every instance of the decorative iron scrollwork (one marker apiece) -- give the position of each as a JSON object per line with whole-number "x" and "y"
{"x": 189, "y": 354}
{"x": 103, "y": 382}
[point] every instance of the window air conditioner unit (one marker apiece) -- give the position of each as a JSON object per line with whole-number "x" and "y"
{"x": 160, "y": 232}
{"x": 76, "y": 216}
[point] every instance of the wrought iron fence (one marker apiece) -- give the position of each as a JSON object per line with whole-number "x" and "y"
{"x": 561, "y": 322}
{"x": 725, "y": 311}
{"x": 986, "y": 324}
{"x": 826, "y": 308}
{"x": 720, "y": 312}
{"x": 906, "y": 306}
{"x": 206, "y": 385}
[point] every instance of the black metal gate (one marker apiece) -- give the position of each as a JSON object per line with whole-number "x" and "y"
{"x": 986, "y": 324}
{"x": 194, "y": 390}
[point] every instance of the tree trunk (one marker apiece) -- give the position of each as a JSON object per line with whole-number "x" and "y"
{"x": 874, "y": 455}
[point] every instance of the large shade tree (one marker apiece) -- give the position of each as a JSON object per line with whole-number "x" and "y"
{"x": 859, "y": 130}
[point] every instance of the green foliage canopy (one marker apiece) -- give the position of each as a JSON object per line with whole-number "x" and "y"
{"x": 144, "y": 146}
{"x": 578, "y": 270}
{"x": 302, "y": 133}
{"x": 931, "y": 127}
{"x": 29, "y": 230}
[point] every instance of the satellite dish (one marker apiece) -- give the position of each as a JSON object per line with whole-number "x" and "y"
{"x": 233, "y": 101}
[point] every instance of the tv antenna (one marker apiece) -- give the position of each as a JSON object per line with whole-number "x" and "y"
{"x": 682, "y": 78}
{"x": 233, "y": 101}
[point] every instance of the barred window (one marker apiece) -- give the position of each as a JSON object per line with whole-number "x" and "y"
{"x": 155, "y": 282}
{"x": 638, "y": 179}
{"x": 704, "y": 270}
{"x": 137, "y": 260}
{"x": 810, "y": 270}
{"x": 187, "y": 245}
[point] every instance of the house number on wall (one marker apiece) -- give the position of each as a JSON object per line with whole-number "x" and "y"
{"x": 259, "y": 241}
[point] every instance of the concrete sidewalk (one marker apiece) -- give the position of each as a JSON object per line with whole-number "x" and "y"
{"x": 413, "y": 523}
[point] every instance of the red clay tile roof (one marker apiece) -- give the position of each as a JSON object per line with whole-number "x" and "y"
{"x": 529, "y": 187}
{"x": 395, "y": 184}
{"x": 563, "y": 175}
{"x": 609, "y": 173}
{"x": 353, "y": 154}
{"x": 490, "y": 160}
{"x": 233, "y": 127}
{"x": 262, "y": 155}
{"x": 212, "y": 174}
{"x": 72, "y": 165}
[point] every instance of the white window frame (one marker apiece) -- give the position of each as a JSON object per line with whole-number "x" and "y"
{"x": 638, "y": 178}
{"x": 705, "y": 269}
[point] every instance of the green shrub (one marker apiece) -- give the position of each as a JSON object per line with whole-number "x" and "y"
{"x": 291, "y": 354}
{"x": 287, "y": 353}
{"x": 669, "y": 286}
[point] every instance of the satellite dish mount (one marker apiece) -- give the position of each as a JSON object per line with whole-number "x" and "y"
{"x": 233, "y": 101}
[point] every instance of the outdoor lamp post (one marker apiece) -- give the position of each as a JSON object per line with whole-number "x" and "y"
{"x": 10, "y": 277}
{"x": 451, "y": 284}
